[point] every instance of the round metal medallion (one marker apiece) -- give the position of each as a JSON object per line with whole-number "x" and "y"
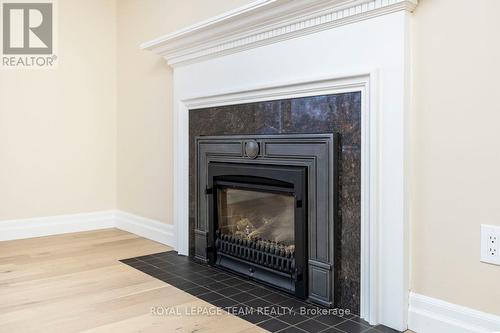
{"x": 252, "y": 149}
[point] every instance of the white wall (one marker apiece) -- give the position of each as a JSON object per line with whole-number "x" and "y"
{"x": 145, "y": 117}
{"x": 58, "y": 127}
{"x": 456, "y": 150}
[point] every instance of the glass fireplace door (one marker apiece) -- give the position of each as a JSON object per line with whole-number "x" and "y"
{"x": 257, "y": 216}
{"x": 258, "y": 223}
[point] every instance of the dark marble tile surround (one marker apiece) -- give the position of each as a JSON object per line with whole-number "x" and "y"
{"x": 339, "y": 113}
{"x": 244, "y": 298}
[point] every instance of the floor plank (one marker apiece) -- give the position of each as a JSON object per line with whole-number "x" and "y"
{"x": 75, "y": 282}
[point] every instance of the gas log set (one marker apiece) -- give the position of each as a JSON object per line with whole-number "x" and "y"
{"x": 262, "y": 252}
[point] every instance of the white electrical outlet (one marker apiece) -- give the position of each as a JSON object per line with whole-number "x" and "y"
{"x": 490, "y": 239}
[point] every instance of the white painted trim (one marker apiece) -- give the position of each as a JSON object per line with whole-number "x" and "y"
{"x": 144, "y": 227}
{"x": 430, "y": 315}
{"x": 61, "y": 224}
{"x": 299, "y": 87}
{"x": 361, "y": 81}
{"x": 263, "y": 22}
{"x": 55, "y": 225}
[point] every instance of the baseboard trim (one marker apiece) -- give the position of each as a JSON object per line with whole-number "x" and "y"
{"x": 430, "y": 315}
{"x": 62, "y": 224}
{"x": 147, "y": 228}
{"x": 55, "y": 225}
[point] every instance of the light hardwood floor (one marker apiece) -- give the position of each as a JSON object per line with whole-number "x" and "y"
{"x": 74, "y": 283}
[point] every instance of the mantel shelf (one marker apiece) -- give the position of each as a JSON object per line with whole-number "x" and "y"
{"x": 264, "y": 22}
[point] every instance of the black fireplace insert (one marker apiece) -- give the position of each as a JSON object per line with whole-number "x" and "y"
{"x": 266, "y": 207}
{"x": 258, "y": 222}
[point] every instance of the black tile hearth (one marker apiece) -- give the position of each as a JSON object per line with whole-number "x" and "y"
{"x": 268, "y": 308}
{"x": 312, "y": 326}
{"x": 229, "y": 291}
{"x": 293, "y": 318}
{"x": 333, "y": 330}
{"x": 331, "y": 320}
{"x": 243, "y": 297}
{"x": 350, "y": 326}
{"x": 275, "y": 298}
{"x": 255, "y": 317}
{"x": 273, "y": 325}
{"x": 384, "y": 329}
{"x": 211, "y": 296}
{"x": 292, "y": 329}
{"x": 196, "y": 291}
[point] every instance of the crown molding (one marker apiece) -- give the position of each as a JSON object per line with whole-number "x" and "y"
{"x": 264, "y": 22}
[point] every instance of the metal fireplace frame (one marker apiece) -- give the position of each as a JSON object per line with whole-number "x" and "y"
{"x": 317, "y": 155}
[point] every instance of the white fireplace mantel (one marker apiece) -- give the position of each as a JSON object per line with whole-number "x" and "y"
{"x": 263, "y": 22}
{"x": 275, "y": 49}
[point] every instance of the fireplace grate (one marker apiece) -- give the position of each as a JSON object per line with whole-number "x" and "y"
{"x": 262, "y": 253}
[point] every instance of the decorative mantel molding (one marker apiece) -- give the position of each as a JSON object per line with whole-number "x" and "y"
{"x": 263, "y": 22}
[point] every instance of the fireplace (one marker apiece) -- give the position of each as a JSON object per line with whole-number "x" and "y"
{"x": 266, "y": 209}
{"x": 258, "y": 219}
{"x": 283, "y": 67}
